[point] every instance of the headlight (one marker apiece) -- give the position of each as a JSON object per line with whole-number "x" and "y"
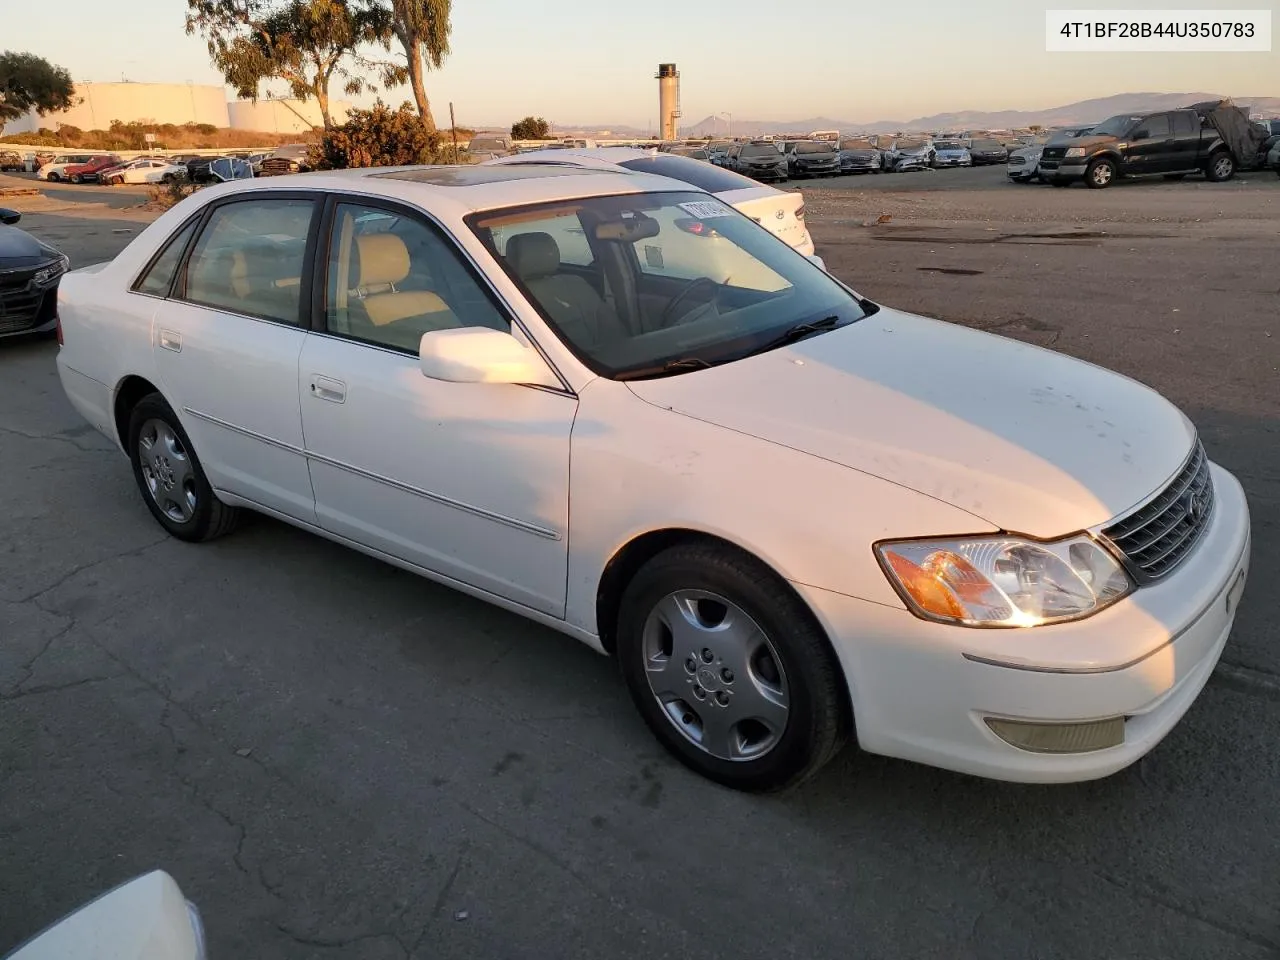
{"x": 1003, "y": 581}
{"x": 1075, "y": 152}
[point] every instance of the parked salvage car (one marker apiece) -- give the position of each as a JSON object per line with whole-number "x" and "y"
{"x": 778, "y": 211}
{"x": 145, "y": 170}
{"x": 901, "y": 156}
{"x": 773, "y": 571}
{"x": 487, "y": 148}
{"x": 88, "y": 171}
{"x": 761, "y": 160}
{"x": 1209, "y": 138}
{"x": 1023, "y": 164}
{"x": 984, "y": 152}
{"x": 56, "y": 169}
{"x": 11, "y": 162}
{"x": 284, "y": 160}
{"x": 30, "y": 271}
{"x": 859, "y": 156}
{"x": 951, "y": 153}
{"x": 813, "y": 158}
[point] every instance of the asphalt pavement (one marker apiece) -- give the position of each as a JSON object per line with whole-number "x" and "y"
{"x": 338, "y": 759}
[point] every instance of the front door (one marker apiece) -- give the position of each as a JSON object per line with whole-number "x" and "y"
{"x": 1151, "y": 148}
{"x": 469, "y": 480}
{"x": 227, "y": 342}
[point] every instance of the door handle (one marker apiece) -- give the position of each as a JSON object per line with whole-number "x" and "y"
{"x": 326, "y": 388}
{"x": 171, "y": 341}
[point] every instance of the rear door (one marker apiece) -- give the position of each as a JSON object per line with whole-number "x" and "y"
{"x": 227, "y": 340}
{"x": 1186, "y": 140}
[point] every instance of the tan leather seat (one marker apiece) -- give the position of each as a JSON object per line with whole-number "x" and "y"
{"x": 382, "y": 262}
{"x": 572, "y": 303}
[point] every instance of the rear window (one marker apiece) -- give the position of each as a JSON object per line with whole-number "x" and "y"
{"x": 693, "y": 172}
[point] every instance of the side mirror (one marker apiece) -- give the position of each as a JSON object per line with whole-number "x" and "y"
{"x": 481, "y": 355}
{"x": 817, "y": 261}
{"x": 8, "y": 216}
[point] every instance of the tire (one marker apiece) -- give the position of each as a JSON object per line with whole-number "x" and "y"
{"x": 1220, "y": 168}
{"x": 183, "y": 502}
{"x": 782, "y": 665}
{"x": 76, "y": 178}
{"x": 167, "y": 178}
{"x": 1100, "y": 174}
{"x": 116, "y": 181}
{"x": 54, "y": 178}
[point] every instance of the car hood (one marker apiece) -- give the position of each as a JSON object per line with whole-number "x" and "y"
{"x": 20, "y": 249}
{"x": 1029, "y": 440}
{"x": 1092, "y": 140}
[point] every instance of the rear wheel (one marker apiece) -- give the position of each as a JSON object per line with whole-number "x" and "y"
{"x": 170, "y": 477}
{"x": 116, "y": 181}
{"x": 729, "y": 669}
{"x": 167, "y": 178}
{"x": 1221, "y": 167}
{"x": 54, "y": 177}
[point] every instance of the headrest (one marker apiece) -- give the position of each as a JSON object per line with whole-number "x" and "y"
{"x": 533, "y": 255}
{"x": 383, "y": 259}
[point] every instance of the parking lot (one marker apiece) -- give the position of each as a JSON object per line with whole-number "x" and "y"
{"x": 336, "y": 758}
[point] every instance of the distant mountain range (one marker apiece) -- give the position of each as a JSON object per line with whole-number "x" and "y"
{"x": 1084, "y": 111}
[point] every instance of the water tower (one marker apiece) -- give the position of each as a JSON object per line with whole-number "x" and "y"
{"x": 668, "y": 101}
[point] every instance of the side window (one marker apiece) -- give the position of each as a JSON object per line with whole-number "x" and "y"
{"x": 158, "y": 277}
{"x": 249, "y": 258}
{"x": 1157, "y": 126}
{"x": 566, "y": 230}
{"x": 392, "y": 278}
{"x": 1184, "y": 125}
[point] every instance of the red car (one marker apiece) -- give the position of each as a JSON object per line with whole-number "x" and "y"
{"x": 82, "y": 172}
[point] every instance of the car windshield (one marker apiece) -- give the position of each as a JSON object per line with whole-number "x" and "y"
{"x": 813, "y": 148}
{"x": 1115, "y": 126}
{"x": 655, "y": 284}
{"x": 987, "y": 145}
{"x": 910, "y": 144}
{"x": 856, "y": 145}
{"x": 759, "y": 150}
{"x": 949, "y": 145}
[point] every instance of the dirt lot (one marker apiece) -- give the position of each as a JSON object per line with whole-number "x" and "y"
{"x": 338, "y": 759}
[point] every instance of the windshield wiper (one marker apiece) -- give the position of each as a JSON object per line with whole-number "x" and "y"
{"x": 670, "y": 367}
{"x": 798, "y": 332}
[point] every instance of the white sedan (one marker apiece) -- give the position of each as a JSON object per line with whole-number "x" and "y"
{"x": 792, "y": 515}
{"x": 145, "y": 170}
{"x": 781, "y": 212}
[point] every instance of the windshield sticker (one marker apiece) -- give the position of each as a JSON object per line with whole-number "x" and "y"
{"x": 653, "y": 256}
{"x": 706, "y": 209}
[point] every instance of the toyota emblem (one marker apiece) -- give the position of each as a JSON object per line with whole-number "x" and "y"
{"x": 1197, "y": 506}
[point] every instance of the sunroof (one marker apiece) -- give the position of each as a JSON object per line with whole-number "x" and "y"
{"x": 471, "y": 176}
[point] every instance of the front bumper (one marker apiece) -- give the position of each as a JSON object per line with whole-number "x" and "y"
{"x": 1024, "y": 170}
{"x": 903, "y": 164}
{"x": 1064, "y": 170}
{"x": 922, "y": 691}
{"x": 764, "y": 173}
{"x": 952, "y": 162}
{"x": 816, "y": 169}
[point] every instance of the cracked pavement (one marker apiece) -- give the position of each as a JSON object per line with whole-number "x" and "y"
{"x": 337, "y": 759}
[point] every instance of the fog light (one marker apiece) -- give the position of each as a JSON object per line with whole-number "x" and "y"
{"x": 1059, "y": 737}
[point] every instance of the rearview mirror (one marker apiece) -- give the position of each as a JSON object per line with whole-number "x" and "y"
{"x": 8, "y": 216}
{"x": 481, "y": 355}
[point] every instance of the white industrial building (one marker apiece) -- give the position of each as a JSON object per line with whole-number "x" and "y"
{"x": 97, "y": 104}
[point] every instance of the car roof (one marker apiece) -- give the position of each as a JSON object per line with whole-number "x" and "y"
{"x": 472, "y": 187}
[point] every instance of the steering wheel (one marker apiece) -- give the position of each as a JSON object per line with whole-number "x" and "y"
{"x": 669, "y": 314}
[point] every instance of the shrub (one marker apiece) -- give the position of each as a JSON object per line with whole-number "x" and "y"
{"x": 166, "y": 195}
{"x": 531, "y": 128}
{"x": 377, "y": 137}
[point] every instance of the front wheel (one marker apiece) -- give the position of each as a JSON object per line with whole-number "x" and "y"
{"x": 729, "y": 669}
{"x": 76, "y": 178}
{"x": 168, "y": 473}
{"x": 1221, "y": 167}
{"x": 1100, "y": 173}
{"x": 116, "y": 181}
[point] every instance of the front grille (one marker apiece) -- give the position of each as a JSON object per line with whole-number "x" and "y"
{"x": 1017, "y": 161}
{"x": 1054, "y": 153}
{"x": 1157, "y": 536}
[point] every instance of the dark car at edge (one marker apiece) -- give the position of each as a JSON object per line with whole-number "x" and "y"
{"x": 29, "y": 275}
